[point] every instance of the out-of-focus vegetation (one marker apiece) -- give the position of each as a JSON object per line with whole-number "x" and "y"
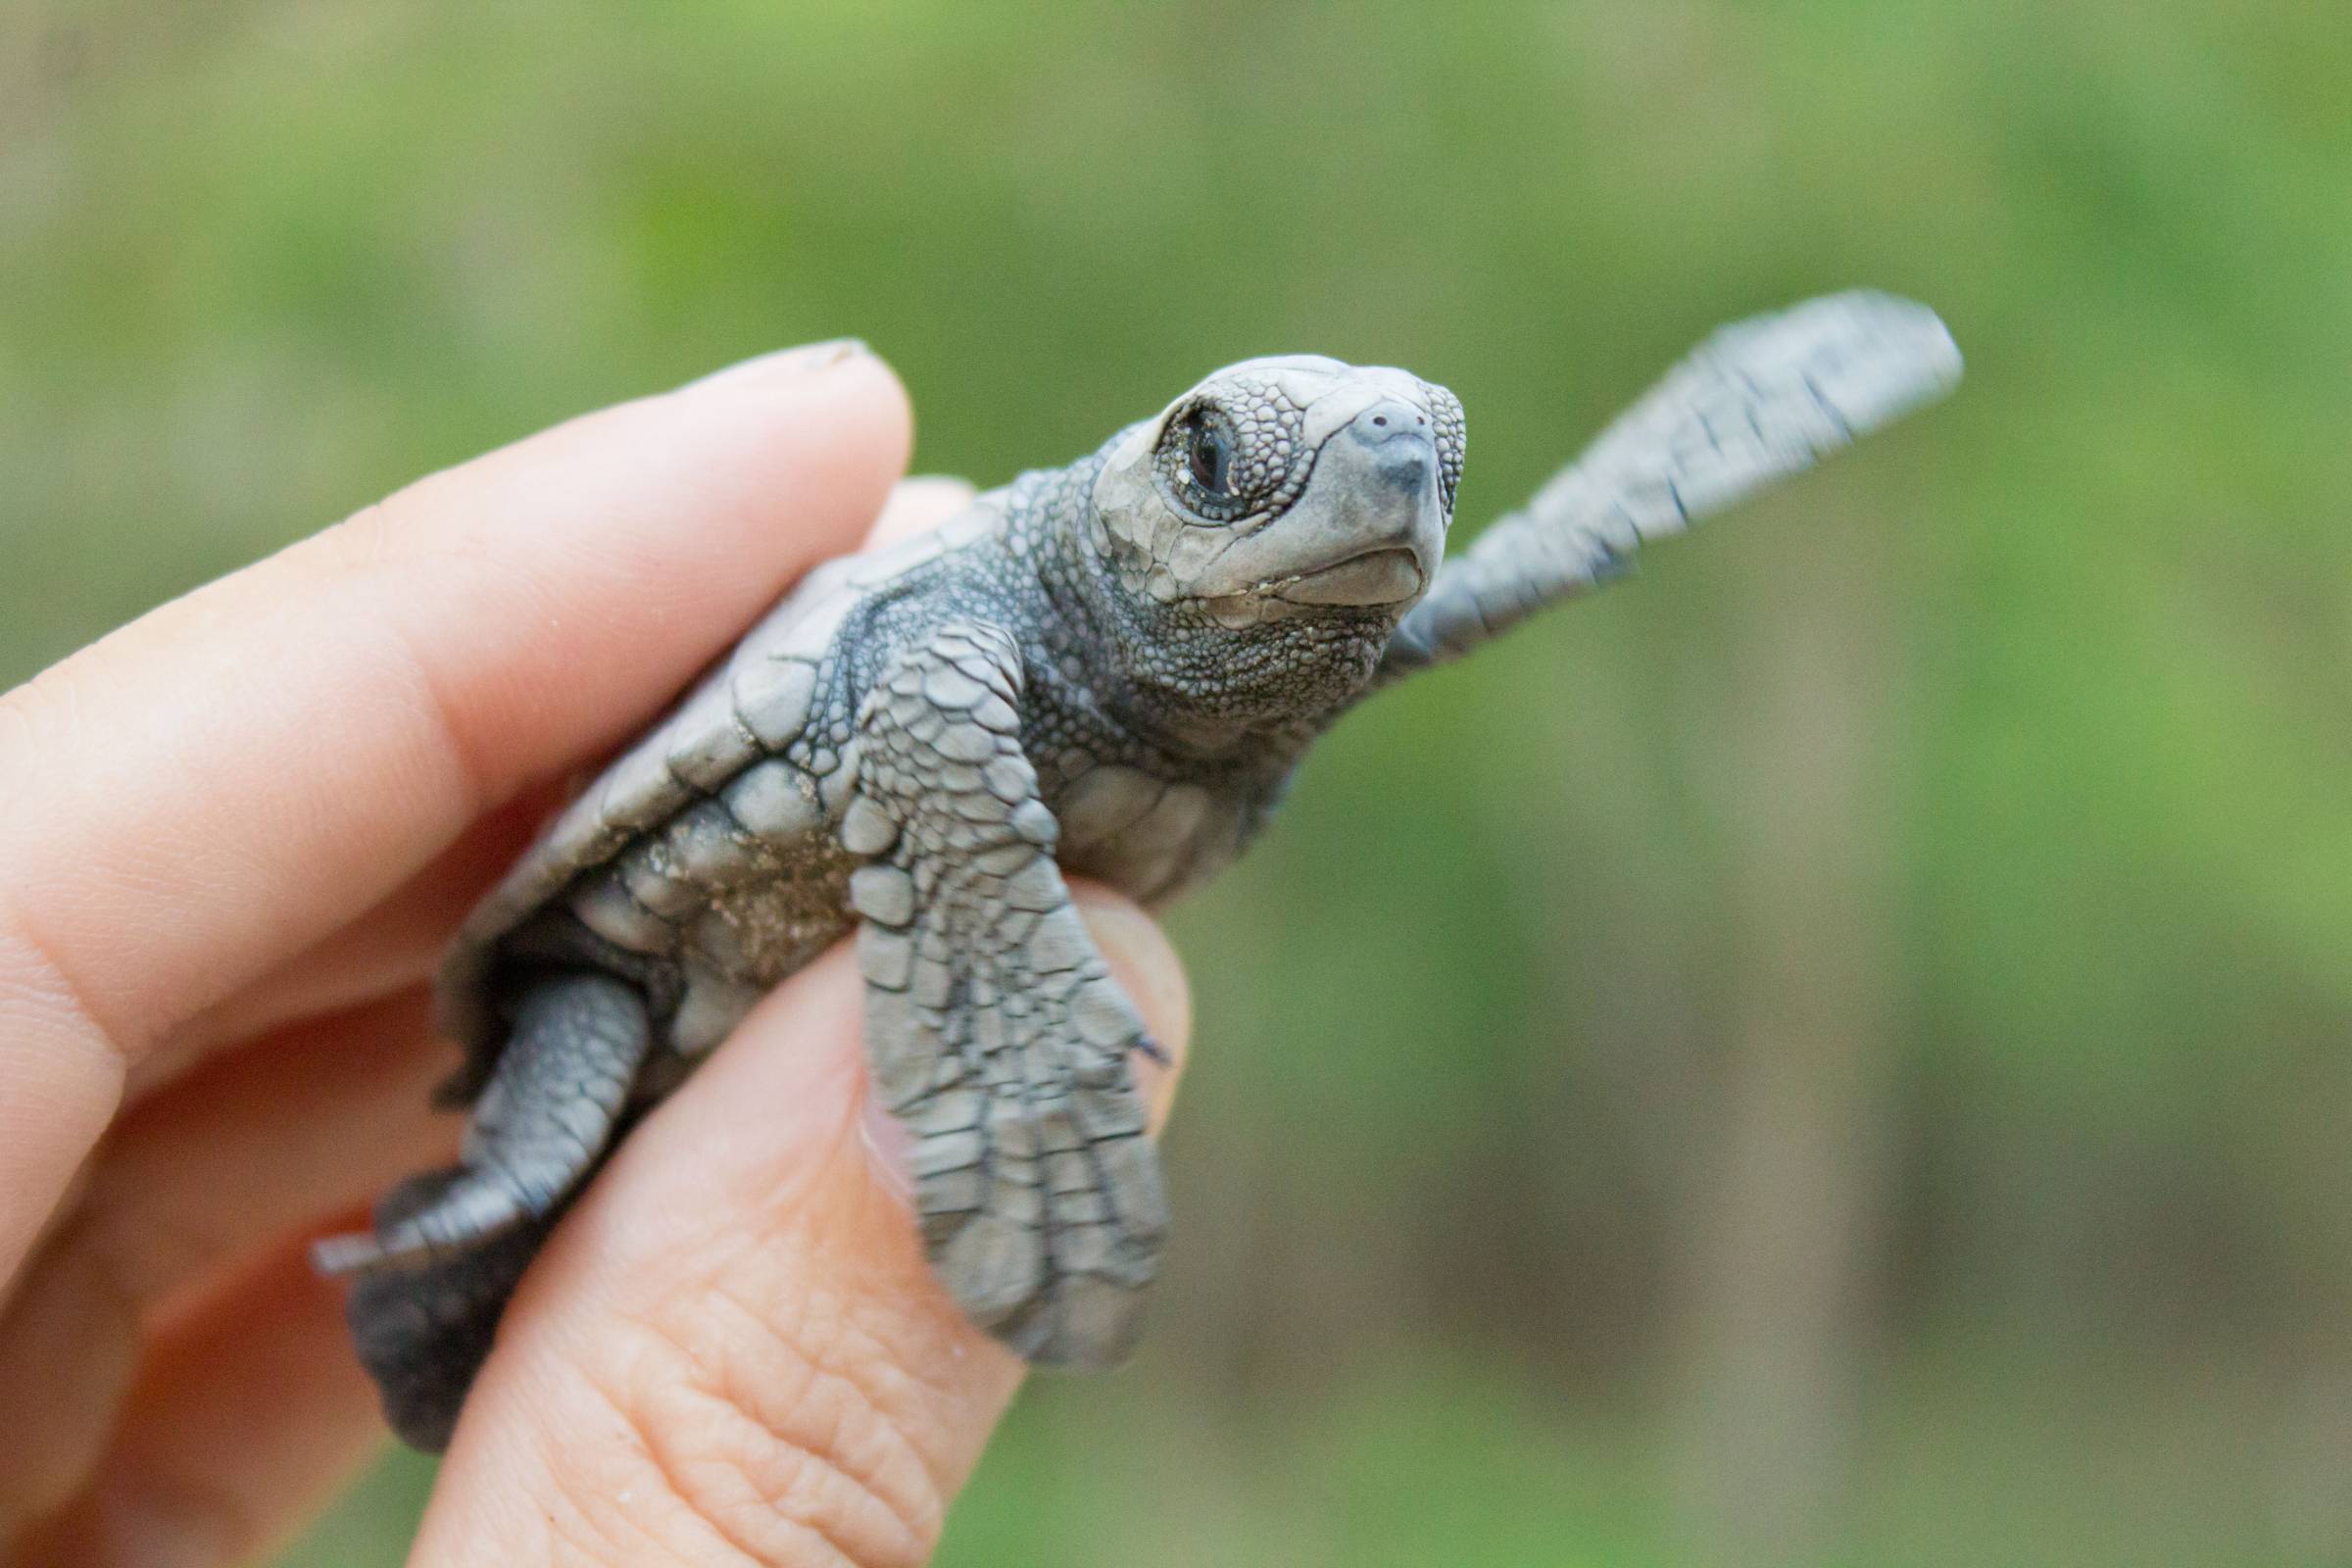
{"x": 1834, "y": 1051}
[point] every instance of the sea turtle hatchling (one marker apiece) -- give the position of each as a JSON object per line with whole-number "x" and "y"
{"x": 1106, "y": 669}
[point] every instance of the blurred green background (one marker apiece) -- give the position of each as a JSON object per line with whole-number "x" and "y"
{"x": 1830, "y": 1052}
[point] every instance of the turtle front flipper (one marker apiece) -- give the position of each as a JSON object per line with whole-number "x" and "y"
{"x": 448, "y": 1247}
{"x": 993, "y": 1028}
{"x": 1759, "y": 400}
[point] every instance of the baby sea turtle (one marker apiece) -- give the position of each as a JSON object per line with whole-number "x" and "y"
{"x": 1108, "y": 669}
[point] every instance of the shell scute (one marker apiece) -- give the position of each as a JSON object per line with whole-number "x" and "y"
{"x": 700, "y": 801}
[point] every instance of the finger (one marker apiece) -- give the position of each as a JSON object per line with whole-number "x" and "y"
{"x": 392, "y": 947}
{"x": 923, "y": 502}
{"x": 263, "y": 1142}
{"x": 216, "y": 786}
{"x": 245, "y": 1419}
{"x": 274, "y": 1140}
{"x": 301, "y": 1125}
{"x": 734, "y": 1351}
{"x": 396, "y": 944}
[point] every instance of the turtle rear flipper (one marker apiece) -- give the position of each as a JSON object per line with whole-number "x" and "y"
{"x": 424, "y": 1333}
{"x": 449, "y": 1246}
{"x": 545, "y": 1119}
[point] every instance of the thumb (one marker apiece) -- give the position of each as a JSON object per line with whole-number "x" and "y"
{"x": 733, "y": 1350}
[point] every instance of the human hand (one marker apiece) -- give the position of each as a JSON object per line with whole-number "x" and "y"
{"x": 234, "y": 835}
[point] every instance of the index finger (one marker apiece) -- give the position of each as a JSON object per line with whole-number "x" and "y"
{"x": 239, "y": 772}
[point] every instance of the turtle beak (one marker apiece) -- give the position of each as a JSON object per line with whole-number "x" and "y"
{"x": 1385, "y": 463}
{"x": 1385, "y": 576}
{"x": 1366, "y": 533}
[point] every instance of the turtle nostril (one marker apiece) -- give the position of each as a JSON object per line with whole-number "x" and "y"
{"x": 1389, "y": 419}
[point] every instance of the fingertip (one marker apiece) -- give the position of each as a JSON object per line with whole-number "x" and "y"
{"x": 920, "y": 503}
{"x": 865, "y": 406}
{"x": 853, "y": 372}
{"x": 799, "y": 360}
{"x": 1147, "y": 968}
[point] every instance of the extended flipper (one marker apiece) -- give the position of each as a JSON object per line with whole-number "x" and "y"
{"x": 1757, "y": 402}
{"x": 993, "y": 1027}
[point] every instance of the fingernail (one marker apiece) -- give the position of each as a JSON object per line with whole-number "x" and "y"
{"x": 806, "y": 359}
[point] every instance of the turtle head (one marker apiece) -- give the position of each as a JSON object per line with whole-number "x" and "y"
{"x": 1279, "y": 490}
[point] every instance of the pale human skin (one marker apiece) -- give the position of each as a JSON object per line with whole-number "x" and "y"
{"x": 236, "y": 834}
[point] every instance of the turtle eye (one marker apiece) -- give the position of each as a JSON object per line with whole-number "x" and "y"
{"x": 1208, "y": 451}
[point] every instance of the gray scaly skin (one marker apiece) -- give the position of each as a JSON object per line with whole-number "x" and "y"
{"x": 1107, "y": 670}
